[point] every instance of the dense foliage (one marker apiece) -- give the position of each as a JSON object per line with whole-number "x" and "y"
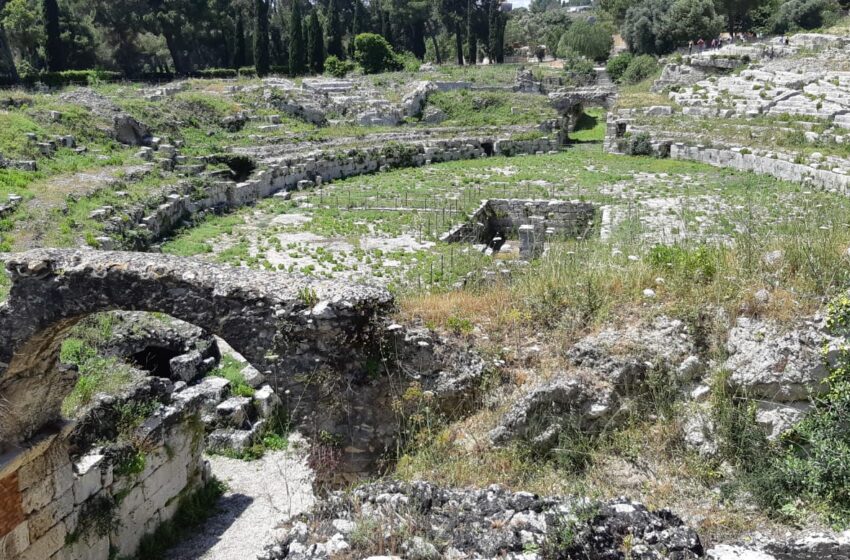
{"x": 374, "y": 54}
{"x": 661, "y": 26}
{"x": 140, "y": 38}
{"x": 162, "y": 38}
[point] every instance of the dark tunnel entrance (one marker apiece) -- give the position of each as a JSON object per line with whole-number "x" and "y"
{"x": 155, "y": 359}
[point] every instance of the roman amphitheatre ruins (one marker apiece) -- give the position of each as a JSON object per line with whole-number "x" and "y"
{"x": 473, "y": 312}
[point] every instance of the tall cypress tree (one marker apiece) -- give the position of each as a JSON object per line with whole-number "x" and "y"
{"x": 239, "y": 54}
{"x": 315, "y": 44}
{"x": 471, "y": 38}
{"x": 53, "y": 48}
{"x": 493, "y": 30}
{"x": 297, "y": 53}
{"x": 261, "y": 38}
{"x": 334, "y": 30}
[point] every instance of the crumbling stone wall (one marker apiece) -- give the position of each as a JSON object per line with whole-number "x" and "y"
{"x": 288, "y": 326}
{"x": 324, "y": 346}
{"x": 555, "y": 218}
{"x": 57, "y": 502}
{"x": 145, "y": 225}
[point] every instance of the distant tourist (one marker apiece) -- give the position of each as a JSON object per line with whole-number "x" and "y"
{"x": 701, "y": 44}
{"x": 690, "y": 47}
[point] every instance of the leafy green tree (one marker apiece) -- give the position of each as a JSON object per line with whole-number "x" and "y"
{"x": 540, "y": 6}
{"x": 691, "y": 19}
{"x": 279, "y": 54}
{"x": 334, "y": 31}
{"x": 315, "y": 44}
{"x": 374, "y": 54}
{"x": 646, "y": 28}
{"x": 804, "y": 14}
{"x": 24, "y": 32}
{"x": 639, "y": 69}
{"x": 592, "y": 40}
{"x": 453, "y": 15}
{"x": 261, "y": 38}
{"x": 492, "y": 29}
{"x": 737, "y": 11}
{"x": 297, "y": 53}
{"x": 53, "y": 45}
{"x": 578, "y": 69}
{"x": 616, "y": 9}
{"x": 617, "y": 65}
{"x": 8, "y": 71}
{"x": 78, "y": 41}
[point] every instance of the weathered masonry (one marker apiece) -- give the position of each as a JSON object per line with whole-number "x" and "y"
{"x": 145, "y": 225}
{"x": 533, "y": 222}
{"x": 53, "y": 479}
{"x": 324, "y": 346}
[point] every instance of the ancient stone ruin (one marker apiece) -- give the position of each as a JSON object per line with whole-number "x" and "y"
{"x": 531, "y": 222}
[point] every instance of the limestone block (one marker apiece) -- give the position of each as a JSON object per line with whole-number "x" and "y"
{"x": 15, "y": 542}
{"x": 41, "y": 521}
{"x": 252, "y": 376}
{"x": 126, "y": 539}
{"x": 91, "y": 548}
{"x": 266, "y": 401}
{"x": 89, "y": 479}
{"x": 38, "y": 495}
{"x": 233, "y": 412}
{"x": 47, "y": 545}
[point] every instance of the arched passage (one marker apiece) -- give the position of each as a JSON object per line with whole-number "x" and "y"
{"x": 289, "y": 326}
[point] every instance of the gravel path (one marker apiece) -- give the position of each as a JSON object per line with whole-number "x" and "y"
{"x": 260, "y": 495}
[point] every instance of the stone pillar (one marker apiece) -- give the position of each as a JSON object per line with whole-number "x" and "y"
{"x": 530, "y": 246}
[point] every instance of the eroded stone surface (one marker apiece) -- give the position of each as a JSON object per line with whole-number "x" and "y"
{"x": 485, "y": 523}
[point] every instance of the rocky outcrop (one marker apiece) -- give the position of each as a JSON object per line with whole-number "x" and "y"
{"x": 783, "y": 370}
{"x": 678, "y": 75}
{"x": 559, "y": 409}
{"x": 609, "y": 367}
{"x": 810, "y": 547}
{"x": 413, "y": 104}
{"x": 125, "y": 128}
{"x": 419, "y": 521}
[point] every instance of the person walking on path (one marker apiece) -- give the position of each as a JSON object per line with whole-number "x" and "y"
{"x": 701, "y": 44}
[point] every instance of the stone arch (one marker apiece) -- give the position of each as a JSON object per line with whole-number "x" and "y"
{"x": 283, "y": 324}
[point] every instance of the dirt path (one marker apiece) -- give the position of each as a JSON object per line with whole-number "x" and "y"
{"x": 260, "y": 494}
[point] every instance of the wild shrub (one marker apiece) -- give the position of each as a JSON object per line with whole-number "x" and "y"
{"x": 639, "y": 69}
{"x": 640, "y": 145}
{"x": 338, "y": 68}
{"x": 374, "y": 54}
{"x": 579, "y": 70}
{"x": 617, "y": 65}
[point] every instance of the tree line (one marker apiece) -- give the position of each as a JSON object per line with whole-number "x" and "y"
{"x": 294, "y": 37}
{"x": 660, "y": 26}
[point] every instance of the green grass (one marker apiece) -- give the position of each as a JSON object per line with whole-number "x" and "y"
{"x": 97, "y": 375}
{"x": 231, "y": 369}
{"x": 482, "y": 108}
{"x": 590, "y": 127}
